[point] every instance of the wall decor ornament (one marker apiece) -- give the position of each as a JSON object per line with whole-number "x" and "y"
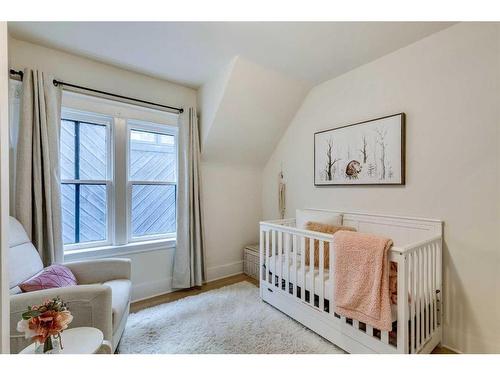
{"x": 365, "y": 153}
{"x": 281, "y": 194}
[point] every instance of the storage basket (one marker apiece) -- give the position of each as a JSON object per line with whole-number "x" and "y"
{"x": 251, "y": 261}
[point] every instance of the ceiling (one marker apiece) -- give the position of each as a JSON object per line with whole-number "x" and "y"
{"x": 255, "y": 106}
{"x": 190, "y": 53}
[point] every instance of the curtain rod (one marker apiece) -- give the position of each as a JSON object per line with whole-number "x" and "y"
{"x": 61, "y": 83}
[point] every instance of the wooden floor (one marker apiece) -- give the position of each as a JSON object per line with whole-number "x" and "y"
{"x": 174, "y": 296}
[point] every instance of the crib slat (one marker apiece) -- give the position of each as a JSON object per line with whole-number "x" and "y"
{"x": 419, "y": 298}
{"x": 279, "y": 270}
{"x": 412, "y": 301}
{"x": 273, "y": 255}
{"x": 384, "y": 337}
{"x": 261, "y": 255}
{"x": 439, "y": 280}
{"x": 355, "y": 323}
{"x": 287, "y": 261}
{"x": 402, "y": 305}
{"x": 321, "y": 267}
{"x": 434, "y": 303}
{"x": 268, "y": 268}
{"x": 424, "y": 295}
{"x": 429, "y": 290}
{"x": 303, "y": 268}
{"x": 331, "y": 278}
{"x": 369, "y": 330}
{"x": 294, "y": 265}
{"x": 312, "y": 246}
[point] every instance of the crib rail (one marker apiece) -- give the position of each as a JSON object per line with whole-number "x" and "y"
{"x": 424, "y": 283}
{"x": 283, "y": 270}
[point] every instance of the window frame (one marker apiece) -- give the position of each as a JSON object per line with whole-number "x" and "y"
{"x": 69, "y": 114}
{"x": 118, "y": 117}
{"x": 162, "y": 129}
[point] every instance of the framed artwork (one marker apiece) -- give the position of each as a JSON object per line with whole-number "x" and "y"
{"x": 366, "y": 153}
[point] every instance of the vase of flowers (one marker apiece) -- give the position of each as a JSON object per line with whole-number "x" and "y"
{"x": 44, "y": 324}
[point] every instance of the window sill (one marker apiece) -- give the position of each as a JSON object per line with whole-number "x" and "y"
{"x": 119, "y": 250}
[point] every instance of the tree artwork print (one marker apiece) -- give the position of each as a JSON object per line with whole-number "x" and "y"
{"x": 366, "y": 153}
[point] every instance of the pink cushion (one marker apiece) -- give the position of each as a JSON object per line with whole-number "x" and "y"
{"x": 55, "y": 276}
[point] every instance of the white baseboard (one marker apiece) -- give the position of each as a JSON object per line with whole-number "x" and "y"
{"x": 151, "y": 289}
{"x": 155, "y": 288}
{"x": 452, "y": 349}
{"x": 224, "y": 270}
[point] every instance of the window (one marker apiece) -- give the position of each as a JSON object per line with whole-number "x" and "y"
{"x": 86, "y": 179}
{"x": 152, "y": 179}
{"x": 118, "y": 180}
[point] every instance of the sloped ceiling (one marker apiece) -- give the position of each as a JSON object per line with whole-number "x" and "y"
{"x": 244, "y": 112}
{"x": 190, "y": 53}
{"x": 245, "y": 102}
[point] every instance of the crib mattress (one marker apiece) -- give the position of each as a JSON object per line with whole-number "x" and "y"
{"x": 291, "y": 275}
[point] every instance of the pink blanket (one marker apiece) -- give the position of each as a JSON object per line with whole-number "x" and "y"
{"x": 362, "y": 278}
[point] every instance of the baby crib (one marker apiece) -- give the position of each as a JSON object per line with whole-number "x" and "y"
{"x": 305, "y": 293}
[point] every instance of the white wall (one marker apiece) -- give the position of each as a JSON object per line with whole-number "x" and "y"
{"x": 210, "y": 96}
{"x": 4, "y": 191}
{"x": 448, "y": 85}
{"x": 232, "y": 210}
{"x": 151, "y": 271}
{"x": 244, "y": 111}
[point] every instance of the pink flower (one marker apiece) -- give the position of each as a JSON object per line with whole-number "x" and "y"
{"x": 47, "y": 324}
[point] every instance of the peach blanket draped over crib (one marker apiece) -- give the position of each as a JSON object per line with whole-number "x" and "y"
{"x": 332, "y": 229}
{"x": 362, "y": 278}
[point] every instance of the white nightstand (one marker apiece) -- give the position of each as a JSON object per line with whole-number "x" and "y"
{"x": 81, "y": 340}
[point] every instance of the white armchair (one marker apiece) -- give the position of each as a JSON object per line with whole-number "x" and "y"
{"x": 101, "y": 299}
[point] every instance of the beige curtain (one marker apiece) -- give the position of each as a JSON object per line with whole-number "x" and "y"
{"x": 38, "y": 192}
{"x": 189, "y": 264}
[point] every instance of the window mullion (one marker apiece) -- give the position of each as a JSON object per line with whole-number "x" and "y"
{"x": 121, "y": 213}
{"x": 77, "y": 177}
{"x": 77, "y": 213}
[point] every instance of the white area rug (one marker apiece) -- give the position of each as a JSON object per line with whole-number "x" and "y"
{"x": 232, "y": 319}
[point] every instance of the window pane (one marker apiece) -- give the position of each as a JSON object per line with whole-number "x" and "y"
{"x": 153, "y": 209}
{"x": 142, "y": 136}
{"x": 84, "y": 213}
{"x": 152, "y": 156}
{"x": 93, "y": 152}
{"x": 167, "y": 139}
{"x": 68, "y": 213}
{"x": 93, "y": 213}
{"x": 67, "y": 150}
{"x": 86, "y": 145}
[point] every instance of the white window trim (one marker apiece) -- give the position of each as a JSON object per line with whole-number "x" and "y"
{"x": 119, "y": 250}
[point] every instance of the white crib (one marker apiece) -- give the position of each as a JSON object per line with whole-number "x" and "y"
{"x": 417, "y": 253}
